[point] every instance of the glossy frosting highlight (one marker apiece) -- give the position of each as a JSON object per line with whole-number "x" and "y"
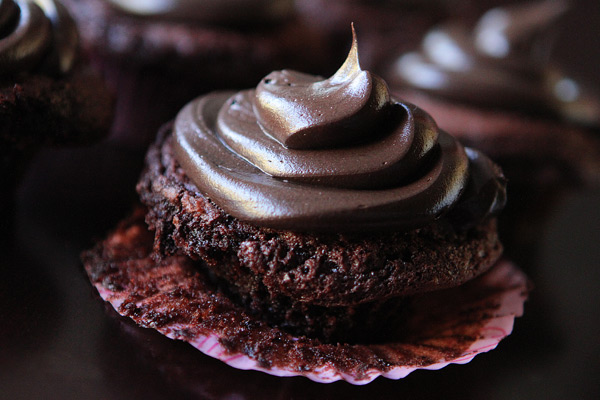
{"x": 37, "y": 35}
{"x": 304, "y": 111}
{"x": 209, "y": 11}
{"x": 501, "y": 62}
{"x": 311, "y": 154}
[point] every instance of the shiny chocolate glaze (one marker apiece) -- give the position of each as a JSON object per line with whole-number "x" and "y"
{"x": 310, "y": 154}
{"x": 37, "y": 35}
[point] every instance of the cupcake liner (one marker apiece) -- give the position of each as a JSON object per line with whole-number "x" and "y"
{"x": 171, "y": 296}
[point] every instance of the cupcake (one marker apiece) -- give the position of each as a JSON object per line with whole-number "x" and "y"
{"x": 490, "y": 87}
{"x": 487, "y": 87}
{"x": 48, "y": 96}
{"x": 314, "y": 227}
{"x": 160, "y": 55}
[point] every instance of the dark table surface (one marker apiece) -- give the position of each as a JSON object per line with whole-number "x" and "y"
{"x": 60, "y": 341}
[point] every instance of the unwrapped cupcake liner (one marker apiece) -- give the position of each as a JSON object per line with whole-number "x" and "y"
{"x": 445, "y": 327}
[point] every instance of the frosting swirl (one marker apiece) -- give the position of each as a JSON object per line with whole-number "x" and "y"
{"x": 36, "y": 35}
{"x": 499, "y": 63}
{"x": 209, "y": 11}
{"x": 311, "y": 154}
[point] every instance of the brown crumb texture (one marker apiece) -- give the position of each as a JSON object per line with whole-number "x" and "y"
{"x": 325, "y": 270}
{"x": 372, "y": 321}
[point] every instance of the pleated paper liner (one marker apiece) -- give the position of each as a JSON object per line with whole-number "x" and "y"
{"x": 445, "y": 327}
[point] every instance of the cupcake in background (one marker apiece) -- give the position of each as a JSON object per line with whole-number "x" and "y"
{"x": 384, "y": 25}
{"x": 48, "y": 96}
{"x": 492, "y": 86}
{"x": 159, "y": 55}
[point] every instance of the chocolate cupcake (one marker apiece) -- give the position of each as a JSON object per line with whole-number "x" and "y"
{"x": 47, "y": 94}
{"x": 303, "y": 227}
{"x": 158, "y": 56}
{"x": 490, "y": 87}
{"x": 487, "y": 88}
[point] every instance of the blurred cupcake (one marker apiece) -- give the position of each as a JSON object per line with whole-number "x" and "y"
{"x": 47, "y": 94}
{"x": 159, "y": 55}
{"x": 383, "y": 26}
{"x": 491, "y": 87}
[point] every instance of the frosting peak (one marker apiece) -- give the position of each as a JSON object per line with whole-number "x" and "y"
{"x": 310, "y": 154}
{"x": 303, "y": 111}
{"x": 36, "y": 35}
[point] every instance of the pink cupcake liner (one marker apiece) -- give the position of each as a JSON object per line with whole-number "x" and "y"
{"x": 446, "y": 327}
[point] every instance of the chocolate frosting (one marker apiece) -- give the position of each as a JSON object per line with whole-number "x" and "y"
{"x": 311, "y": 154}
{"x": 209, "y": 11}
{"x": 303, "y": 111}
{"x": 499, "y": 63}
{"x": 36, "y": 35}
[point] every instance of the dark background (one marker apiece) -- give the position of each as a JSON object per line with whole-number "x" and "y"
{"x": 58, "y": 340}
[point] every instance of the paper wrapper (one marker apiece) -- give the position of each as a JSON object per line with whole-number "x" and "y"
{"x": 173, "y": 297}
